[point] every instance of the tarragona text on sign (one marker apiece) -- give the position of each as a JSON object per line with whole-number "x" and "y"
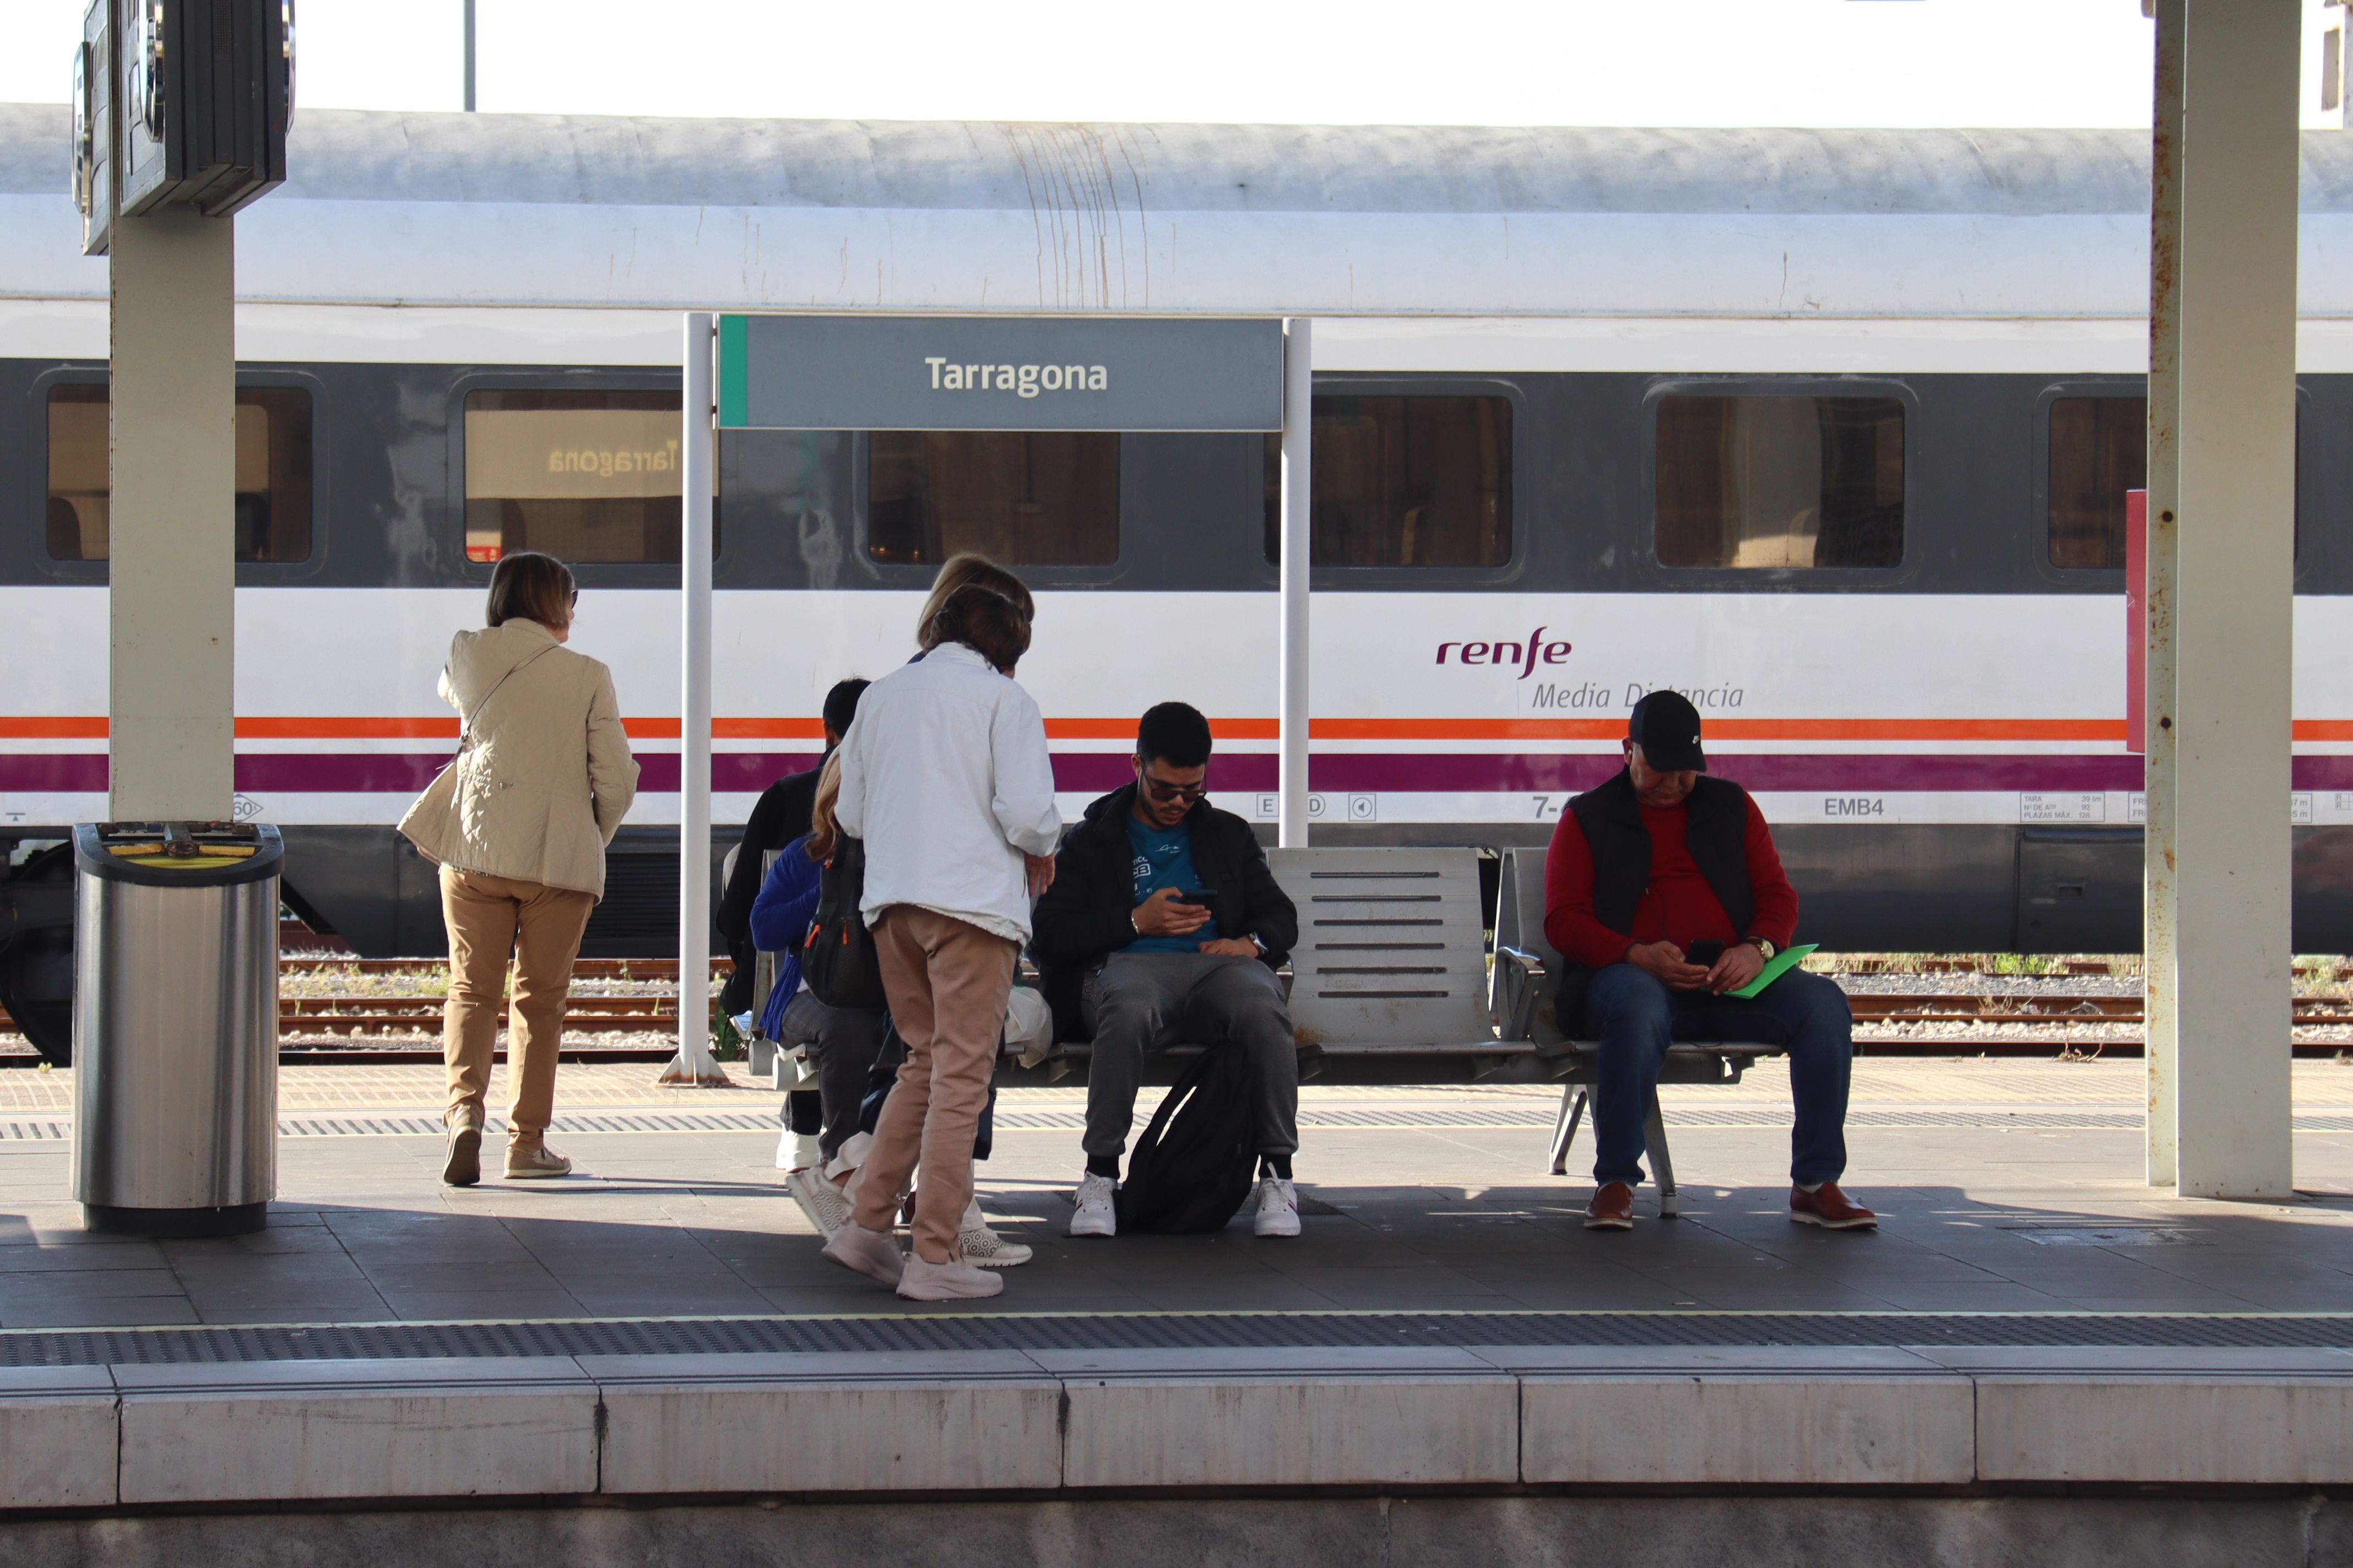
{"x": 1022, "y": 380}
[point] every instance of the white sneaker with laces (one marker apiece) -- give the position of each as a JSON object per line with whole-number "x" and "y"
{"x": 982, "y": 1246}
{"x": 955, "y": 1281}
{"x": 1278, "y": 1207}
{"x": 1094, "y": 1216}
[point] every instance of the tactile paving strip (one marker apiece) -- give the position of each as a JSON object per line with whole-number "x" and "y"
{"x": 319, "y": 1125}
{"x": 1269, "y": 1330}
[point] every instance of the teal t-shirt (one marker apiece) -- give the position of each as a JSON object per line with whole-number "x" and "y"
{"x": 1163, "y": 858}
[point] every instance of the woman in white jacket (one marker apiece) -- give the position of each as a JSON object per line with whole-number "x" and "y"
{"x": 518, "y": 823}
{"x": 945, "y": 776}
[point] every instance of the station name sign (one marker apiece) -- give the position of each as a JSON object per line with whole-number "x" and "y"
{"x": 1002, "y": 373}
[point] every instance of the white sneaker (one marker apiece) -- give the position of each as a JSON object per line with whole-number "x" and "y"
{"x": 820, "y": 1200}
{"x": 1278, "y": 1207}
{"x": 984, "y": 1246}
{"x": 955, "y": 1281}
{"x": 872, "y": 1253}
{"x": 1094, "y": 1216}
{"x": 798, "y": 1150}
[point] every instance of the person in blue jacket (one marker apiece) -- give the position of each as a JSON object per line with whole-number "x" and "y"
{"x": 844, "y": 1041}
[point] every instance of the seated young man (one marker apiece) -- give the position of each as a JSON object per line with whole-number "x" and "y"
{"x": 1664, "y": 885}
{"x": 1126, "y": 960}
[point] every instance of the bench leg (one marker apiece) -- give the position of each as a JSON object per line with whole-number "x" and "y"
{"x": 1662, "y": 1167}
{"x": 1564, "y": 1126}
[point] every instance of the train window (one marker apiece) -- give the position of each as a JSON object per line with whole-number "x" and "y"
{"x": 2099, "y": 449}
{"x": 1779, "y": 481}
{"x": 273, "y": 473}
{"x": 581, "y": 474}
{"x": 1039, "y": 498}
{"x": 1403, "y": 481}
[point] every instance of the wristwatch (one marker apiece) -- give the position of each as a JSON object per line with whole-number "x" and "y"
{"x": 1763, "y": 944}
{"x": 1257, "y": 942}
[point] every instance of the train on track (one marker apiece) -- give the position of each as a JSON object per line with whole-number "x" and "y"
{"x": 1830, "y": 429}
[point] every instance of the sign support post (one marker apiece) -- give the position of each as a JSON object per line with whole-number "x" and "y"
{"x": 1297, "y": 425}
{"x": 693, "y": 1063}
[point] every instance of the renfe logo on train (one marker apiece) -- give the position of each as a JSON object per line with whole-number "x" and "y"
{"x": 1524, "y": 654}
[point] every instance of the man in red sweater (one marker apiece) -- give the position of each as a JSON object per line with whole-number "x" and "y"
{"x": 1664, "y": 892}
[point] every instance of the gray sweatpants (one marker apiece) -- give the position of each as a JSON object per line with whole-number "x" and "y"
{"x": 1142, "y": 1002}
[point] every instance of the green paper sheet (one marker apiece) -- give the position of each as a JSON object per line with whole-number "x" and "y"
{"x": 1776, "y": 966}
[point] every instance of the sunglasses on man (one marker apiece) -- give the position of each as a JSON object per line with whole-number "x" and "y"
{"x": 1165, "y": 793}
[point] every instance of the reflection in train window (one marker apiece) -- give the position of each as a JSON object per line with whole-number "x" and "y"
{"x": 2099, "y": 449}
{"x": 1780, "y": 482}
{"x": 584, "y": 475}
{"x": 1036, "y": 498}
{"x": 273, "y": 474}
{"x": 1403, "y": 481}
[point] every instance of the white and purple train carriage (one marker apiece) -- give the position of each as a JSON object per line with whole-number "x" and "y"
{"x": 1830, "y": 430}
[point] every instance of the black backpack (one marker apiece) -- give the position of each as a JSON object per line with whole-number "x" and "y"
{"x": 1194, "y": 1165}
{"x": 838, "y": 960}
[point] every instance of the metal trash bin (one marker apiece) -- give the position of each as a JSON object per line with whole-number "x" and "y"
{"x": 176, "y": 1026}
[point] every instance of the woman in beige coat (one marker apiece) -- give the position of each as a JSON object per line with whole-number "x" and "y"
{"x": 519, "y": 823}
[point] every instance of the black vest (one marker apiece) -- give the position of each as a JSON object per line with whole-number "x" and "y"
{"x": 1715, "y": 829}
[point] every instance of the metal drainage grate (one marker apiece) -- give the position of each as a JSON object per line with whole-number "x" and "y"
{"x": 1271, "y": 1331}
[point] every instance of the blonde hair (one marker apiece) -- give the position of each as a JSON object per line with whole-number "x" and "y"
{"x": 963, "y": 571}
{"x": 824, "y": 831}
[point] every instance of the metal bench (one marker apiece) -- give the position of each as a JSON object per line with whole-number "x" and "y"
{"x": 1387, "y": 983}
{"x": 1528, "y": 972}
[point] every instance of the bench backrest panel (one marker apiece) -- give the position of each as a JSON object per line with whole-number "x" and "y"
{"x": 1392, "y": 950}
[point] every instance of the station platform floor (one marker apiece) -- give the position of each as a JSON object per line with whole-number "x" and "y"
{"x": 2037, "y": 1358}
{"x": 2003, "y": 1186}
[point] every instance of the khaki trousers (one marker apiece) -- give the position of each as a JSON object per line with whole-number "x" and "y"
{"x": 946, "y": 981}
{"x": 489, "y": 918}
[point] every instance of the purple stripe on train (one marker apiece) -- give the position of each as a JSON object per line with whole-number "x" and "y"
{"x": 398, "y": 773}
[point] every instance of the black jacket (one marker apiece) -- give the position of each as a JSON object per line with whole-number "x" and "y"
{"x": 781, "y": 816}
{"x": 1089, "y": 913}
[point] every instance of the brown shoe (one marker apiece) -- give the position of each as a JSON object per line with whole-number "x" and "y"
{"x": 463, "y": 1166}
{"x": 535, "y": 1161}
{"x": 1612, "y": 1207}
{"x": 1829, "y": 1208}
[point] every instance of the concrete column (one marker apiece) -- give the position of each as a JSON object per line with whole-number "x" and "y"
{"x": 2233, "y": 601}
{"x": 171, "y": 518}
{"x": 1298, "y": 549}
{"x": 2160, "y": 987}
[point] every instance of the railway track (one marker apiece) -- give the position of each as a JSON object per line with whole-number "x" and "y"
{"x": 377, "y": 1019}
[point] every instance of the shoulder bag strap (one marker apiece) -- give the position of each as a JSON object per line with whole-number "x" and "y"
{"x": 466, "y": 730}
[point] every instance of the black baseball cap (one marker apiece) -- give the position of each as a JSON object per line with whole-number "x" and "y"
{"x": 1666, "y": 726}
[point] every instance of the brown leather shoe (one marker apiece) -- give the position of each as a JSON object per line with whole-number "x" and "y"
{"x": 1612, "y": 1207}
{"x": 1829, "y": 1208}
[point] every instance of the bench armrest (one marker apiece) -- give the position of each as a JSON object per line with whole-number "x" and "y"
{"x": 1520, "y": 980}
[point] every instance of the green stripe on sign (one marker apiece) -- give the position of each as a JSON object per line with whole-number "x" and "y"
{"x": 732, "y": 364}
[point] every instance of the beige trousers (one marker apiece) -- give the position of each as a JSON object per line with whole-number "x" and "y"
{"x": 489, "y": 918}
{"x": 947, "y": 982}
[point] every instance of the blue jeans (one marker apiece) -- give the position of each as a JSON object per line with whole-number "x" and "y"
{"x": 1634, "y": 1017}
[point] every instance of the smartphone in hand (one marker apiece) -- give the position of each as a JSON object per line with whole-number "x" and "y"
{"x": 1201, "y": 896}
{"x": 1703, "y": 954}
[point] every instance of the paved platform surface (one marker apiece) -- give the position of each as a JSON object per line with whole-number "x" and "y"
{"x": 2004, "y": 1186}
